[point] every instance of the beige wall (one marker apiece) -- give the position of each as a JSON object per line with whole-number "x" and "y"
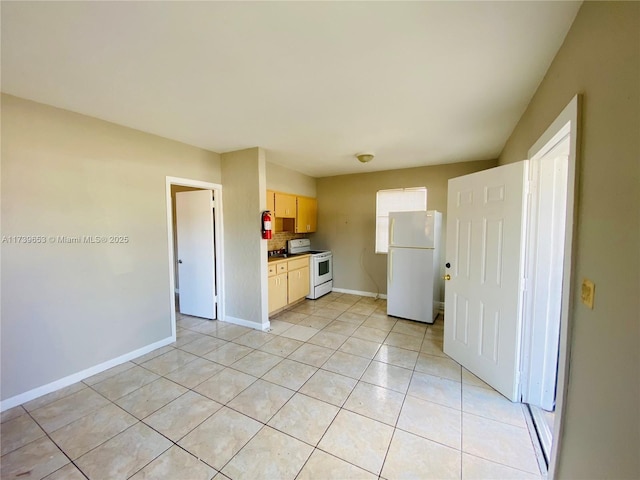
{"x": 282, "y": 179}
{"x": 347, "y": 211}
{"x": 600, "y": 58}
{"x": 245, "y": 253}
{"x": 69, "y": 307}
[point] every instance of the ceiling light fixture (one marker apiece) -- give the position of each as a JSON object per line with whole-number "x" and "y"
{"x": 364, "y": 157}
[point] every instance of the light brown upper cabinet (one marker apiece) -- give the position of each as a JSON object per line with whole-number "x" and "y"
{"x": 307, "y": 215}
{"x": 285, "y": 205}
{"x": 292, "y": 213}
{"x": 271, "y": 202}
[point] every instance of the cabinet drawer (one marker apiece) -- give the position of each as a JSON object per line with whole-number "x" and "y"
{"x": 272, "y": 270}
{"x": 298, "y": 263}
{"x": 281, "y": 267}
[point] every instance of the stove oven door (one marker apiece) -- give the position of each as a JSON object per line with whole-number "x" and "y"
{"x": 322, "y": 269}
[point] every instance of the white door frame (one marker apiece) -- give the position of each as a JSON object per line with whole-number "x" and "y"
{"x": 544, "y": 250}
{"x": 569, "y": 116}
{"x": 218, "y": 238}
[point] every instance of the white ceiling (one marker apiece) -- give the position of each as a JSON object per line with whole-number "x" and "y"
{"x": 417, "y": 83}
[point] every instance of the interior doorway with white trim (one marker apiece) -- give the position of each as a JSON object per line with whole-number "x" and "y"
{"x": 194, "y": 225}
{"x": 194, "y": 236}
{"x": 509, "y": 263}
{"x": 543, "y": 278}
{"x": 549, "y": 267}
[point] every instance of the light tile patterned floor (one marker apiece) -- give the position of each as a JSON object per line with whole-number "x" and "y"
{"x": 336, "y": 390}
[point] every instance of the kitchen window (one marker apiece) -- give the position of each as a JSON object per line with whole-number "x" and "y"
{"x": 395, "y": 200}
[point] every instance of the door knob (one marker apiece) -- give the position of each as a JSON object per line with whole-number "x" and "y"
{"x": 447, "y": 277}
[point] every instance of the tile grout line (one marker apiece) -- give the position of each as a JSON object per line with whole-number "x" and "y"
{"x": 57, "y": 446}
{"x": 199, "y": 335}
{"x": 341, "y": 408}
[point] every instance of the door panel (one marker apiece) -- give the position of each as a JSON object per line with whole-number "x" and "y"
{"x": 463, "y": 248}
{"x": 489, "y": 328}
{"x": 196, "y": 253}
{"x": 460, "y": 319}
{"x": 483, "y": 296}
{"x": 492, "y": 252}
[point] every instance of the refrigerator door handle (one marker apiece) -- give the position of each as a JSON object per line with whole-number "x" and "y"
{"x": 390, "y": 266}
{"x": 393, "y": 221}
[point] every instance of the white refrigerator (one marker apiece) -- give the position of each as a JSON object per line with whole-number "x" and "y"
{"x": 413, "y": 265}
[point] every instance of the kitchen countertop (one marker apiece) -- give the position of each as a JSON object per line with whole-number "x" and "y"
{"x": 288, "y": 257}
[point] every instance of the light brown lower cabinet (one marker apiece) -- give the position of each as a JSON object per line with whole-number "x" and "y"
{"x": 277, "y": 292}
{"x": 298, "y": 284}
{"x": 288, "y": 282}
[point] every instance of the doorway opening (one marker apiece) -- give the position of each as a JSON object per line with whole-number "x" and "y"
{"x": 508, "y": 293}
{"x": 175, "y": 189}
{"x": 544, "y": 268}
{"x": 194, "y": 226}
{"x": 194, "y": 248}
{"x": 549, "y": 252}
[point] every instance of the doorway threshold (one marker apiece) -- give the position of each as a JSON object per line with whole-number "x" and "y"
{"x": 542, "y": 423}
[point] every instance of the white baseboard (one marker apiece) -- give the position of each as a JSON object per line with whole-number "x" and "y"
{"x": 361, "y": 293}
{"x": 246, "y": 323}
{"x": 79, "y": 376}
{"x": 439, "y": 305}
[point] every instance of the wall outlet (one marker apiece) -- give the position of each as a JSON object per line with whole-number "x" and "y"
{"x": 588, "y": 292}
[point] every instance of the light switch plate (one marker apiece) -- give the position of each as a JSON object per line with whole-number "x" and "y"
{"x": 588, "y": 292}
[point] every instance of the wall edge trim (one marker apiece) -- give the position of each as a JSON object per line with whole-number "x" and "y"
{"x": 81, "y": 375}
{"x": 265, "y": 327}
{"x": 359, "y": 292}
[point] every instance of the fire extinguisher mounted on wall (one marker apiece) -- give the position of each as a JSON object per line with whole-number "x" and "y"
{"x": 266, "y": 225}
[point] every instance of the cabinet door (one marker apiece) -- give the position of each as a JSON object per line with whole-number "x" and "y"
{"x": 298, "y": 284}
{"x": 285, "y": 205}
{"x": 313, "y": 215}
{"x": 306, "y": 215}
{"x": 277, "y": 292}
{"x": 271, "y": 201}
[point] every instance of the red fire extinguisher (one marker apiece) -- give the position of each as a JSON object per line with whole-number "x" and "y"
{"x": 266, "y": 225}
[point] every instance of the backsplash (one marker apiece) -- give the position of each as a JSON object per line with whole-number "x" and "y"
{"x": 279, "y": 239}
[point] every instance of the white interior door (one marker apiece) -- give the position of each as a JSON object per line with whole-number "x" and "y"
{"x": 483, "y": 321}
{"x": 196, "y": 253}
